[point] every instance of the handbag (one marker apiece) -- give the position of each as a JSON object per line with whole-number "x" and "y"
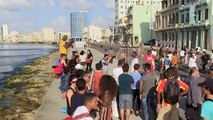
{"x": 115, "y": 108}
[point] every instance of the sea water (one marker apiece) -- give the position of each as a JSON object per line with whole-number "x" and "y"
{"x": 14, "y": 56}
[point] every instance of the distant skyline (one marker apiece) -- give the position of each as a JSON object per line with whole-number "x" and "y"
{"x": 27, "y": 16}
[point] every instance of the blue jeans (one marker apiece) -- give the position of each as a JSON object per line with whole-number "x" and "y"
{"x": 145, "y": 106}
{"x": 64, "y": 83}
{"x": 148, "y": 107}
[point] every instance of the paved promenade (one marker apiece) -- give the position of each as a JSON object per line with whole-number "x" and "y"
{"x": 53, "y": 102}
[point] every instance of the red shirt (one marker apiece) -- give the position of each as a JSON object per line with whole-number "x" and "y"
{"x": 161, "y": 87}
{"x": 96, "y": 81}
{"x": 149, "y": 58}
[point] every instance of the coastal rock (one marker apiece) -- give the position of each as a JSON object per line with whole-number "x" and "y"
{"x": 27, "y": 89}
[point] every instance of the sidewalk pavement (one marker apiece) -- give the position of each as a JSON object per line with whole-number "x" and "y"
{"x": 53, "y": 101}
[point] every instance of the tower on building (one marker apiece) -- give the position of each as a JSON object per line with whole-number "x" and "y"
{"x": 5, "y": 32}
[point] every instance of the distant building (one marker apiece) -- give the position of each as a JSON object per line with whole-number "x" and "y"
{"x": 48, "y": 35}
{"x": 185, "y": 23}
{"x": 95, "y": 34}
{"x": 106, "y": 35}
{"x": 14, "y": 37}
{"x": 36, "y": 37}
{"x": 85, "y": 35}
{"x": 121, "y": 11}
{"x": 5, "y": 32}
{"x": 78, "y": 20}
{"x": 112, "y": 34}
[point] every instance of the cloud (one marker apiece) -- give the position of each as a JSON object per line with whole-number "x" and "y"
{"x": 42, "y": 3}
{"x": 103, "y": 21}
{"x": 109, "y": 4}
{"x": 14, "y": 5}
{"x": 60, "y": 24}
{"x": 78, "y": 4}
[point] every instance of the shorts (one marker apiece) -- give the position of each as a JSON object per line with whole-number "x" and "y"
{"x": 125, "y": 101}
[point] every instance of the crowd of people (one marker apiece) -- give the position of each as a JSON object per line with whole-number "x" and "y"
{"x": 92, "y": 93}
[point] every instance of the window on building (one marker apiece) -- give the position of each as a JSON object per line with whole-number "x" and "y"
{"x": 166, "y": 4}
{"x": 121, "y": 6}
{"x": 182, "y": 18}
{"x": 206, "y": 14}
{"x": 199, "y": 15}
{"x": 177, "y": 17}
{"x": 205, "y": 39}
{"x": 187, "y": 17}
{"x": 182, "y": 2}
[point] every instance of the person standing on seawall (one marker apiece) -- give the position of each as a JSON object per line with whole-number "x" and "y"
{"x": 64, "y": 45}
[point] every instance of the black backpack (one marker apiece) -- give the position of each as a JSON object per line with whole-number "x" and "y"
{"x": 101, "y": 63}
{"x": 172, "y": 91}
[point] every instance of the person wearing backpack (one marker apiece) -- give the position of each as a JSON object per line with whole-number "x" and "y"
{"x": 193, "y": 98}
{"x": 207, "y": 106}
{"x": 170, "y": 89}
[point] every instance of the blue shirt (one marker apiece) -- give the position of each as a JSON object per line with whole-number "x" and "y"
{"x": 125, "y": 82}
{"x": 167, "y": 61}
{"x": 136, "y": 78}
{"x": 207, "y": 110}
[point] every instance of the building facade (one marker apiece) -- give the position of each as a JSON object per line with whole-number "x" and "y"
{"x": 5, "y": 32}
{"x": 121, "y": 13}
{"x": 191, "y": 24}
{"x": 93, "y": 34}
{"x": 78, "y": 20}
{"x": 48, "y": 35}
{"x": 139, "y": 24}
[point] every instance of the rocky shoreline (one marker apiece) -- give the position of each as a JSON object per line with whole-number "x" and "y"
{"x": 24, "y": 92}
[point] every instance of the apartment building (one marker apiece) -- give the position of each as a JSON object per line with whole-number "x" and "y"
{"x": 166, "y": 23}
{"x": 78, "y": 20}
{"x": 121, "y": 13}
{"x": 140, "y": 23}
{"x": 194, "y": 26}
{"x": 93, "y": 34}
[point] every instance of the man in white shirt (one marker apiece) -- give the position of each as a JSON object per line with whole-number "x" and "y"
{"x": 118, "y": 71}
{"x": 154, "y": 52}
{"x": 170, "y": 55}
{"x": 83, "y": 112}
{"x": 182, "y": 56}
{"x": 192, "y": 61}
{"x": 134, "y": 61}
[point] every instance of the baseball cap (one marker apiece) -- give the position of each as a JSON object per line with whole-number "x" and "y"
{"x": 207, "y": 83}
{"x": 204, "y": 50}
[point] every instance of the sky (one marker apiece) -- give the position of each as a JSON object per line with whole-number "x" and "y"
{"x": 26, "y": 16}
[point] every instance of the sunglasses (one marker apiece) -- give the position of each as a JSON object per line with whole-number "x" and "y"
{"x": 74, "y": 82}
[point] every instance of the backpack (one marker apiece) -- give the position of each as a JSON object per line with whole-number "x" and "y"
{"x": 55, "y": 63}
{"x": 78, "y": 117}
{"x": 101, "y": 63}
{"x": 172, "y": 91}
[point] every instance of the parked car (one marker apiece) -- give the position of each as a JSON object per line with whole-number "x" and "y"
{"x": 150, "y": 42}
